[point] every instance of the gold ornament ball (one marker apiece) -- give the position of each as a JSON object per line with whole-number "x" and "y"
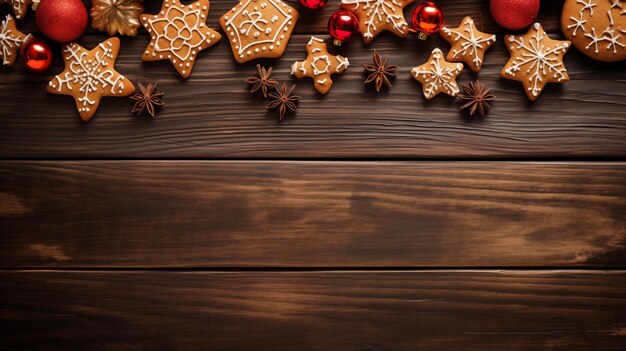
{"x": 116, "y": 16}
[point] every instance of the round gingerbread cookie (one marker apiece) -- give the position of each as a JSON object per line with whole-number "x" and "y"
{"x": 596, "y": 27}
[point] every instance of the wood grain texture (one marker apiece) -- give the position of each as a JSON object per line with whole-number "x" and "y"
{"x": 213, "y": 115}
{"x": 441, "y": 310}
{"x": 311, "y": 214}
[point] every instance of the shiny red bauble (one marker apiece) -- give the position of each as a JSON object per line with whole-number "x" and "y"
{"x": 61, "y": 20}
{"x": 427, "y": 19}
{"x": 342, "y": 26}
{"x": 514, "y": 14}
{"x": 36, "y": 55}
{"x": 313, "y": 4}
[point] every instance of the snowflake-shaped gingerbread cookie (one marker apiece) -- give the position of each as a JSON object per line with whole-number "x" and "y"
{"x": 535, "y": 60}
{"x": 376, "y": 16}
{"x": 179, "y": 32}
{"x": 90, "y": 75}
{"x": 19, "y": 6}
{"x": 11, "y": 40}
{"x": 438, "y": 75}
{"x": 259, "y": 28}
{"x": 596, "y": 27}
{"x": 319, "y": 65}
{"x": 468, "y": 43}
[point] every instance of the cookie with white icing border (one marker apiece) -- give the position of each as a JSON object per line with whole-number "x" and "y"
{"x": 468, "y": 43}
{"x": 91, "y": 75}
{"x": 535, "y": 60}
{"x": 437, "y": 75}
{"x": 179, "y": 32}
{"x": 319, "y": 65}
{"x": 11, "y": 40}
{"x": 596, "y": 27}
{"x": 259, "y": 28}
{"x": 376, "y": 16}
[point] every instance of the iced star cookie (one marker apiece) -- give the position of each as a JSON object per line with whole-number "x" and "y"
{"x": 90, "y": 75}
{"x": 19, "y": 6}
{"x": 179, "y": 32}
{"x": 468, "y": 44}
{"x": 596, "y": 27}
{"x": 11, "y": 40}
{"x": 259, "y": 28}
{"x": 376, "y": 16}
{"x": 535, "y": 60}
{"x": 437, "y": 75}
{"x": 319, "y": 65}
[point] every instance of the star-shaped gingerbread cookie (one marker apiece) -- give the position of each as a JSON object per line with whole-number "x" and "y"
{"x": 378, "y": 15}
{"x": 11, "y": 40}
{"x": 19, "y": 6}
{"x": 259, "y": 28}
{"x": 535, "y": 60}
{"x": 178, "y": 34}
{"x": 319, "y": 65}
{"x": 90, "y": 75}
{"x": 468, "y": 43}
{"x": 438, "y": 75}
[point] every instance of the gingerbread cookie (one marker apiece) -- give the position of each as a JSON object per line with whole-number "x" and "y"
{"x": 19, "y": 6}
{"x": 90, "y": 75}
{"x": 319, "y": 65}
{"x": 438, "y": 75}
{"x": 596, "y": 27}
{"x": 468, "y": 43}
{"x": 178, "y": 34}
{"x": 535, "y": 60}
{"x": 259, "y": 28}
{"x": 11, "y": 40}
{"x": 376, "y": 16}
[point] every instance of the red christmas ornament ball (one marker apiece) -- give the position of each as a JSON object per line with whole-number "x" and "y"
{"x": 36, "y": 55}
{"x": 61, "y": 20}
{"x": 514, "y": 14}
{"x": 342, "y": 25}
{"x": 313, "y": 4}
{"x": 427, "y": 19}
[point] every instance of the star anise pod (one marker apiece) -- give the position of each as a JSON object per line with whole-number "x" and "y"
{"x": 379, "y": 72}
{"x": 147, "y": 99}
{"x": 477, "y": 96}
{"x": 283, "y": 98}
{"x": 262, "y": 80}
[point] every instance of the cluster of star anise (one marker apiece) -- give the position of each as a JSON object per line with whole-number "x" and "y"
{"x": 282, "y": 98}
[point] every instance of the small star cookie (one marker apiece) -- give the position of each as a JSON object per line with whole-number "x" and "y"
{"x": 468, "y": 43}
{"x": 438, "y": 75}
{"x": 535, "y": 60}
{"x": 19, "y": 6}
{"x": 259, "y": 28}
{"x": 11, "y": 40}
{"x": 376, "y": 16}
{"x": 178, "y": 34}
{"x": 90, "y": 75}
{"x": 319, "y": 65}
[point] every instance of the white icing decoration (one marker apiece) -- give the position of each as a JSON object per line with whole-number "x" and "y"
{"x": 317, "y": 71}
{"x": 609, "y": 36}
{"x": 322, "y": 81}
{"x": 19, "y": 7}
{"x": 471, "y": 43}
{"x": 342, "y": 63}
{"x": 379, "y": 11}
{"x": 8, "y": 41}
{"x": 438, "y": 77}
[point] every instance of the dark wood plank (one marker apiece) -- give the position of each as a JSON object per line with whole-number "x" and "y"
{"x": 441, "y": 310}
{"x": 311, "y": 214}
{"x": 212, "y": 115}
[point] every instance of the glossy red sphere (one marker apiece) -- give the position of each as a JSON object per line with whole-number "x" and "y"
{"x": 313, "y": 4}
{"x": 36, "y": 55}
{"x": 342, "y": 25}
{"x": 61, "y": 20}
{"x": 427, "y": 18}
{"x": 514, "y": 14}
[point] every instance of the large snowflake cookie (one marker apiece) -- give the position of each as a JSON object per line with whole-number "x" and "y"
{"x": 468, "y": 43}
{"x": 319, "y": 65}
{"x": 259, "y": 28}
{"x": 596, "y": 27}
{"x": 535, "y": 60}
{"x": 11, "y": 40}
{"x": 178, "y": 34}
{"x": 19, "y": 6}
{"x": 438, "y": 75}
{"x": 376, "y": 16}
{"x": 90, "y": 75}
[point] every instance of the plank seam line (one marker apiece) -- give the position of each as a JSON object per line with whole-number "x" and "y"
{"x": 618, "y": 268}
{"x": 598, "y": 159}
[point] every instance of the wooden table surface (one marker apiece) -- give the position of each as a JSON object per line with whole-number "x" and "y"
{"x": 365, "y": 222}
